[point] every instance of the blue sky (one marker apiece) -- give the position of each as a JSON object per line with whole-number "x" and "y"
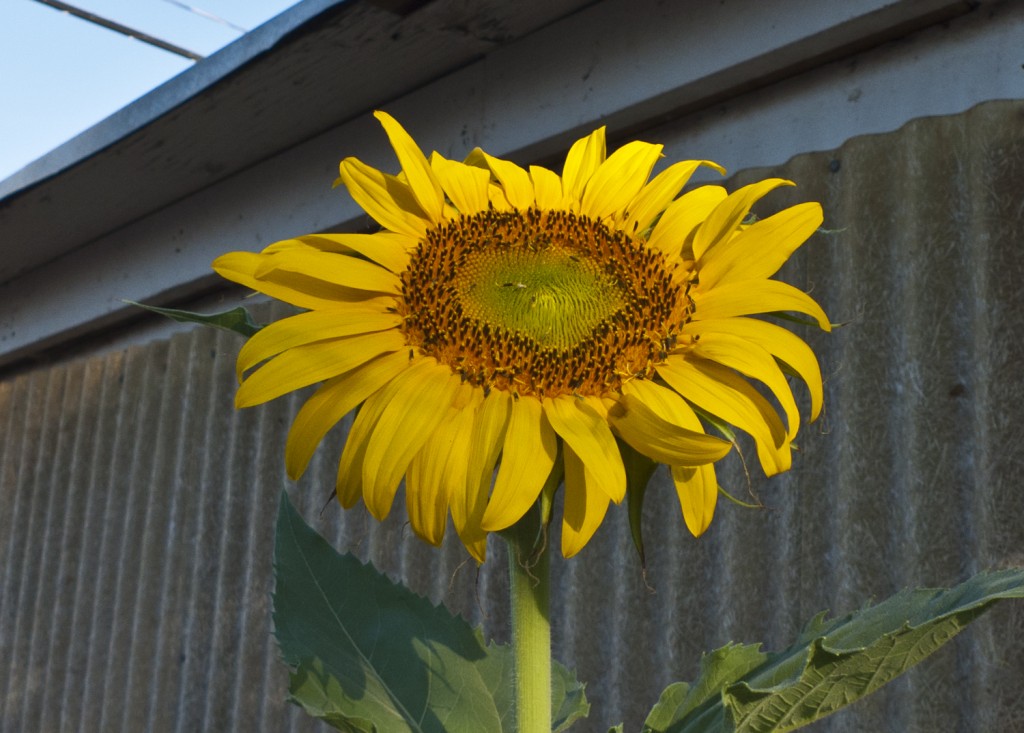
{"x": 60, "y": 75}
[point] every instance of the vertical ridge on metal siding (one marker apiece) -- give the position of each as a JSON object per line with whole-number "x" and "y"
{"x": 137, "y": 505}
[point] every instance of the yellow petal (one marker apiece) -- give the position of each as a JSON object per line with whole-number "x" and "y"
{"x": 780, "y": 342}
{"x": 309, "y": 327}
{"x": 529, "y": 455}
{"x": 547, "y": 187}
{"x": 663, "y": 440}
{"x": 666, "y": 403}
{"x": 585, "y": 506}
{"x": 331, "y": 402}
{"x": 475, "y": 543}
{"x": 514, "y": 181}
{"x": 424, "y": 186}
{"x": 655, "y": 197}
{"x": 389, "y": 201}
{"x": 584, "y": 157}
{"x": 426, "y": 499}
{"x": 755, "y": 296}
{"x": 697, "y": 489}
{"x": 726, "y": 217}
{"x": 299, "y": 290}
{"x": 437, "y": 473}
{"x": 682, "y": 217}
{"x": 720, "y": 392}
{"x": 349, "y": 486}
{"x": 582, "y": 427}
{"x": 312, "y": 363}
{"x": 388, "y": 249}
{"x": 349, "y": 272}
{"x": 498, "y": 200}
{"x": 450, "y": 212}
{"x": 488, "y": 437}
{"x": 465, "y": 185}
{"x": 761, "y": 249}
{"x": 403, "y": 427}
{"x": 619, "y": 179}
{"x": 755, "y": 362}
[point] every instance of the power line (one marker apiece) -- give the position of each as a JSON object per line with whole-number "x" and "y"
{"x": 122, "y": 29}
{"x": 208, "y": 15}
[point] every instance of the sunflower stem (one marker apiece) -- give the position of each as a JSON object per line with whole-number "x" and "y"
{"x": 529, "y": 587}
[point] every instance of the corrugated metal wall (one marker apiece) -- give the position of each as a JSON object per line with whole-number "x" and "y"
{"x": 137, "y": 507}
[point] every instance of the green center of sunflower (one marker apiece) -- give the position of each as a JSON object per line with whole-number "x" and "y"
{"x": 541, "y": 302}
{"x": 551, "y": 295}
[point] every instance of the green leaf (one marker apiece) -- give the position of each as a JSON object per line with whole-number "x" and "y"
{"x": 237, "y": 319}
{"x": 832, "y": 663}
{"x": 370, "y": 655}
{"x": 717, "y": 669}
{"x": 668, "y": 709}
{"x": 319, "y": 693}
{"x": 568, "y": 703}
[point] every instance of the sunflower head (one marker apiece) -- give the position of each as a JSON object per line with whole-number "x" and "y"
{"x": 507, "y": 325}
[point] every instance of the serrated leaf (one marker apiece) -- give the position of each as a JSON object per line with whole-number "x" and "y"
{"x": 721, "y": 667}
{"x": 834, "y": 663}
{"x": 717, "y": 669}
{"x": 237, "y": 319}
{"x": 568, "y": 701}
{"x": 401, "y": 663}
{"x": 318, "y": 692}
{"x": 668, "y": 708}
{"x": 371, "y": 655}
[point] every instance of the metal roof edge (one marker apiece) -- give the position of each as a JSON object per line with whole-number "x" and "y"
{"x": 170, "y": 95}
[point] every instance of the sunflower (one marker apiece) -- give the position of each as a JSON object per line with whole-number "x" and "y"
{"x": 509, "y": 324}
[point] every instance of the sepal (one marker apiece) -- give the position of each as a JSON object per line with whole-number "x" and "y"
{"x": 237, "y": 319}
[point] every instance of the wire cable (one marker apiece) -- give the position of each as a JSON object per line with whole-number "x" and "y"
{"x": 122, "y": 29}
{"x": 208, "y": 15}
